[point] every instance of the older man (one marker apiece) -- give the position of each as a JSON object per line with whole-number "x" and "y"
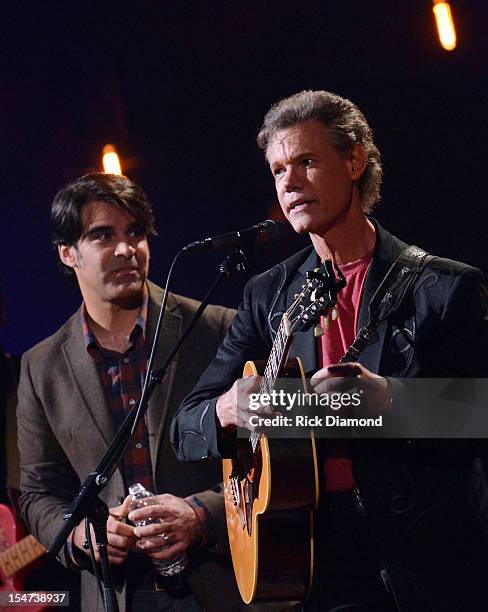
{"x": 395, "y": 528}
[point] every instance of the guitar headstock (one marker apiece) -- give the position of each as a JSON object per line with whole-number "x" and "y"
{"x": 317, "y": 296}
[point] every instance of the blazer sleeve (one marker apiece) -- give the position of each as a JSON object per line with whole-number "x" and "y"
{"x": 47, "y": 481}
{"x": 453, "y": 349}
{"x": 461, "y": 351}
{"x": 195, "y": 431}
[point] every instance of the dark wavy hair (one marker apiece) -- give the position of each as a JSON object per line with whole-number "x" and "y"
{"x": 345, "y": 123}
{"x": 68, "y": 204}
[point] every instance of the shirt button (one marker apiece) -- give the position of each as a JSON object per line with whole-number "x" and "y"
{"x": 132, "y": 402}
{"x": 138, "y": 446}
{"x": 126, "y": 359}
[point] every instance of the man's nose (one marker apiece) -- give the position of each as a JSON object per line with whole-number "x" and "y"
{"x": 293, "y": 179}
{"x": 125, "y": 249}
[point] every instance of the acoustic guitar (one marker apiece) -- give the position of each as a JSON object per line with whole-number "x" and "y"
{"x": 271, "y": 488}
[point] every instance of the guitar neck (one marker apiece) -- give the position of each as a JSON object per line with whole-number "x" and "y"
{"x": 275, "y": 365}
{"x": 20, "y": 555}
{"x": 278, "y": 356}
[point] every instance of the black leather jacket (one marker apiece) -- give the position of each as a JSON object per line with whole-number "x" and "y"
{"x": 418, "y": 493}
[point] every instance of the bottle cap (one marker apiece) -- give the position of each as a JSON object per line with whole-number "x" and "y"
{"x": 136, "y": 488}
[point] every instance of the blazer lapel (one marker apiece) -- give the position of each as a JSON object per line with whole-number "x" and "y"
{"x": 88, "y": 381}
{"x": 171, "y": 329}
{"x": 387, "y": 249}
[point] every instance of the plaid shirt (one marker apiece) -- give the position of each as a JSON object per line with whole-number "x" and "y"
{"x": 122, "y": 376}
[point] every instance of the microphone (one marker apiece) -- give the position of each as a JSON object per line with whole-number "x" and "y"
{"x": 263, "y": 233}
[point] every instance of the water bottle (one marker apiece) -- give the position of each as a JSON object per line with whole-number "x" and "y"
{"x": 141, "y": 497}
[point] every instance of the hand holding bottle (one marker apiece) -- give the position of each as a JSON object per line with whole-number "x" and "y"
{"x": 166, "y": 527}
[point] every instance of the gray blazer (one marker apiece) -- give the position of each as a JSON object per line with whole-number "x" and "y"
{"x": 65, "y": 426}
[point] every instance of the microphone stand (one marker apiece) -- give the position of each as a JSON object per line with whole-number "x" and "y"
{"x": 97, "y": 480}
{"x": 98, "y": 516}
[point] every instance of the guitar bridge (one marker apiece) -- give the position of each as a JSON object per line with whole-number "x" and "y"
{"x": 235, "y": 491}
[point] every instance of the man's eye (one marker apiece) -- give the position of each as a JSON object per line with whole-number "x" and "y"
{"x": 136, "y": 232}
{"x": 102, "y": 237}
{"x": 307, "y": 162}
{"x": 277, "y": 171}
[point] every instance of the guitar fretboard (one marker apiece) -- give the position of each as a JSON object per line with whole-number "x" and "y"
{"x": 278, "y": 356}
{"x": 275, "y": 364}
{"x": 20, "y": 555}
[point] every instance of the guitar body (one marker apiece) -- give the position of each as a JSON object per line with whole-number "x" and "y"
{"x": 16, "y": 552}
{"x": 269, "y": 501}
{"x": 10, "y": 532}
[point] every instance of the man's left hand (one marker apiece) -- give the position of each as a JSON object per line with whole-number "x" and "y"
{"x": 178, "y": 529}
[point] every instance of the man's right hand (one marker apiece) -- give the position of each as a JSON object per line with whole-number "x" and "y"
{"x": 120, "y": 536}
{"x": 233, "y": 406}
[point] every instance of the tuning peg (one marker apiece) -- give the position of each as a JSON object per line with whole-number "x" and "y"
{"x": 334, "y": 314}
{"x": 318, "y": 330}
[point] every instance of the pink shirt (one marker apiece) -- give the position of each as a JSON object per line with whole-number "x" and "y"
{"x": 341, "y": 332}
{"x": 337, "y": 338}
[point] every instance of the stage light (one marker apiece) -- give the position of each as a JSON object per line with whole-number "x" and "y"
{"x": 445, "y": 25}
{"x": 110, "y": 160}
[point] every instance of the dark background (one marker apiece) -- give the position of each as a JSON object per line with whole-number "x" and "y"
{"x": 181, "y": 89}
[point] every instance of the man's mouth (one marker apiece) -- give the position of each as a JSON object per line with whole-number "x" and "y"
{"x": 299, "y": 205}
{"x": 123, "y": 271}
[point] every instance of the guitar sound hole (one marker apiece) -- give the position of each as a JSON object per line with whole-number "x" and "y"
{"x": 244, "y": 462}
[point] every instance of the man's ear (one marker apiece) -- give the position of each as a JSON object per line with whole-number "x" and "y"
{"x": 358, "y": 161}
{"x": 67, "y": 255}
